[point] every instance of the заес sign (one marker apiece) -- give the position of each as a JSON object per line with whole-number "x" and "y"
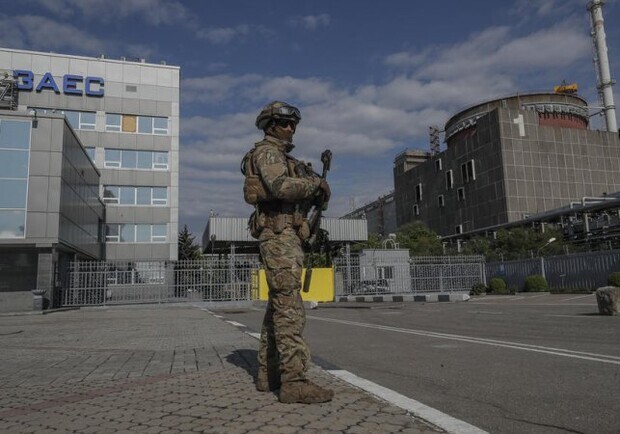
{"x": 71, "y": 84}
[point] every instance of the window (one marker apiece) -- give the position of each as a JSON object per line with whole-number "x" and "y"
{"x": 112, "y": 122}
{"x": 440, "y": 201}
{"x": 111, "y": 194}
{"x": 136, "y": 124}
{"x": 111, "y": 233}
{"x": 468, "y": 171}
{"x": 143, "y": 195}
{"x": 145, "y": 125}
{"x": 458, "y": 229}
{"x": 78, "y": 120}
{"x": 160, "y": 196}
{"x": 140, "y": 233}
{"x": 91, "y": 153}
{"x": 158, "y": 233}
{"x": 418, "y": 193}
{"x": 126, "y": 159}
{"x": 14, "y": 161}
{"x": 449, "y": 180}
{"x": 460, "y": 193}
{"x": 160, "y": 160}
{"x": 129, "y": 195}
{"x": 416, "y": 210}
{"x": 144, "y": 160}
{"x": 112, "y": 158}
{"x": 129, "y": 123}
{"x": 438, "y": 165}
{"x": 385, "y": 272}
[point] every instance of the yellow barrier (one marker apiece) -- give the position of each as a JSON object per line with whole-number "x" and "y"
{"x": 321, "y": 285}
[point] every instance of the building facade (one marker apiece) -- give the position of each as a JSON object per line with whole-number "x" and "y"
{"x": 505, "y": 160}
{"x": 380, "y": 215}
{"x": 89, "y": 157}
{"x": 126, "y": 116}
{"x": 50, "y": 209}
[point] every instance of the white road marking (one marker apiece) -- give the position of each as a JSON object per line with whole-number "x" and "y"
{"x": 537, "y": 296}
{"x": 497, "y": 343}
{"x": 486, "y": 312}
{"x": 429, "y": 414}
{"x": 442, "y": 420}
{"x": 235, "y": 323}
{"x": 575, "y": 298}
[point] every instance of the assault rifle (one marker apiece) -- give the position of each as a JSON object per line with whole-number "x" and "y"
{"x": 318, "y": 236}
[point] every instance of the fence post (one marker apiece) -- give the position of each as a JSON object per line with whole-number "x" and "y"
{"x": 542, "y": 267}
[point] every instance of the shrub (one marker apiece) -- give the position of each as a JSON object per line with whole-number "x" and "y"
{"x": 536, "y": 283}
{"x": 478, "y": 289}
{"x": 564, "y": 290}
{"x": 498, "y": 286}
{"x": 614, "y": 279}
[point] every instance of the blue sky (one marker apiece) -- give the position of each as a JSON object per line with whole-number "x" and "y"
{"x": 368, "y": 76}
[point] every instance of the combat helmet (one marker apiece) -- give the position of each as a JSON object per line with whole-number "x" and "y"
{"x": 277, "y": 110}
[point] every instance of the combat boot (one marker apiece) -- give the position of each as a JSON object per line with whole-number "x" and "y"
{"x": 304, "y": 392}
{"x": 266, "y": 382}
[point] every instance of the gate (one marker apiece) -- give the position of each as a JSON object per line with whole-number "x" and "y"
{"x": 389, "y": 274}
{"x": 209, "y": 279}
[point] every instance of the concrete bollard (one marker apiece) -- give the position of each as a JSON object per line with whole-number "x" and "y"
{"x": 39, "y": 299}
{"x": 608, "y": 300}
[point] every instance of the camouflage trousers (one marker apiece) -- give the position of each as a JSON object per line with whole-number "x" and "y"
{"x": 282, "y": 349}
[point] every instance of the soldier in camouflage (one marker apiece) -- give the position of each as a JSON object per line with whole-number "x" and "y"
{"x": 282, "y": 189}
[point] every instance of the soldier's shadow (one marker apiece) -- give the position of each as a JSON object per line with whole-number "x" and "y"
{"x": 246, "y": 359}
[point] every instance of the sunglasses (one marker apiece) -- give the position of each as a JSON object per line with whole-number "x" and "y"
{"x": 283, "y": 123}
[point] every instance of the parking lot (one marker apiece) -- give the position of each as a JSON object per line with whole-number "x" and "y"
{"x": 524, "y": 363}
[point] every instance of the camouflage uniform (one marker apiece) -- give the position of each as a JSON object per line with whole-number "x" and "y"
{"x": 282, "y": 189}
{"x": 282, "y": 255}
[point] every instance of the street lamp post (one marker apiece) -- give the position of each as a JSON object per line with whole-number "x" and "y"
{"x": 542, "y": 260}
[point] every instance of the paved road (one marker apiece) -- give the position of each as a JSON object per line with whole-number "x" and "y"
{"x": 514, "y": 364}
{"x": 160, "y": 369}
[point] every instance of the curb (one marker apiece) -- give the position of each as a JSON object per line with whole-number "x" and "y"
{"x": 426, "y": 298}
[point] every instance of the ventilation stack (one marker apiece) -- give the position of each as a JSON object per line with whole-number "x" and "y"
{"x": 601, "y": 61}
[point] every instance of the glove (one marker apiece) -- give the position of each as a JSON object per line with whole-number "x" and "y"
{"x": 323, "y": 192}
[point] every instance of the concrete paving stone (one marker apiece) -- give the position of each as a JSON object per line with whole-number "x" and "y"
{"x": 173, "y": 420}
{"x": 94, "y": 360}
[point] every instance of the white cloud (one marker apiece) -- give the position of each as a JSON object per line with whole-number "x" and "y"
{"x": 33, "y": 32}
{"x": 373, "y": 120}
{"x": 312, "y": 22}
{"x": 223, "y": 35}
{"x": 153, "y": 12}
{"x": 215, "y": 88}
{"x": 495, "y": 51}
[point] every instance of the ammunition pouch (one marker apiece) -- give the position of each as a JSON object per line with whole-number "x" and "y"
{"x": 254, "y": 225}
{"x": 254, "y": 191}
{"x": 281, "y": 217}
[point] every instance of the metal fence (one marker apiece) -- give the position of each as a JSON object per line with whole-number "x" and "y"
{"x": 421, "y": 274}
{"x": 209, "y": 279}
{"x": 579, "y": 271}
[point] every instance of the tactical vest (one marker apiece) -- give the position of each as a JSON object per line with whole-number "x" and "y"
{"x": 254, "y": 190}
{"x": 271, "y": 213}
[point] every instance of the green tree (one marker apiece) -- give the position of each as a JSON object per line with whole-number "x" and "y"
{"x": 523, "y": 242}
{"x": 188, "y": 250}
{"x": 419, "y": 239}
{"x": 374, "y": 242}
{"x": 479, "y": 245}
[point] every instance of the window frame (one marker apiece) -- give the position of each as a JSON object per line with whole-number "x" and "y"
{"x": 111, "y": 127}
{"x": 418, "y": 192}
{"x": 449, "y": 179}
